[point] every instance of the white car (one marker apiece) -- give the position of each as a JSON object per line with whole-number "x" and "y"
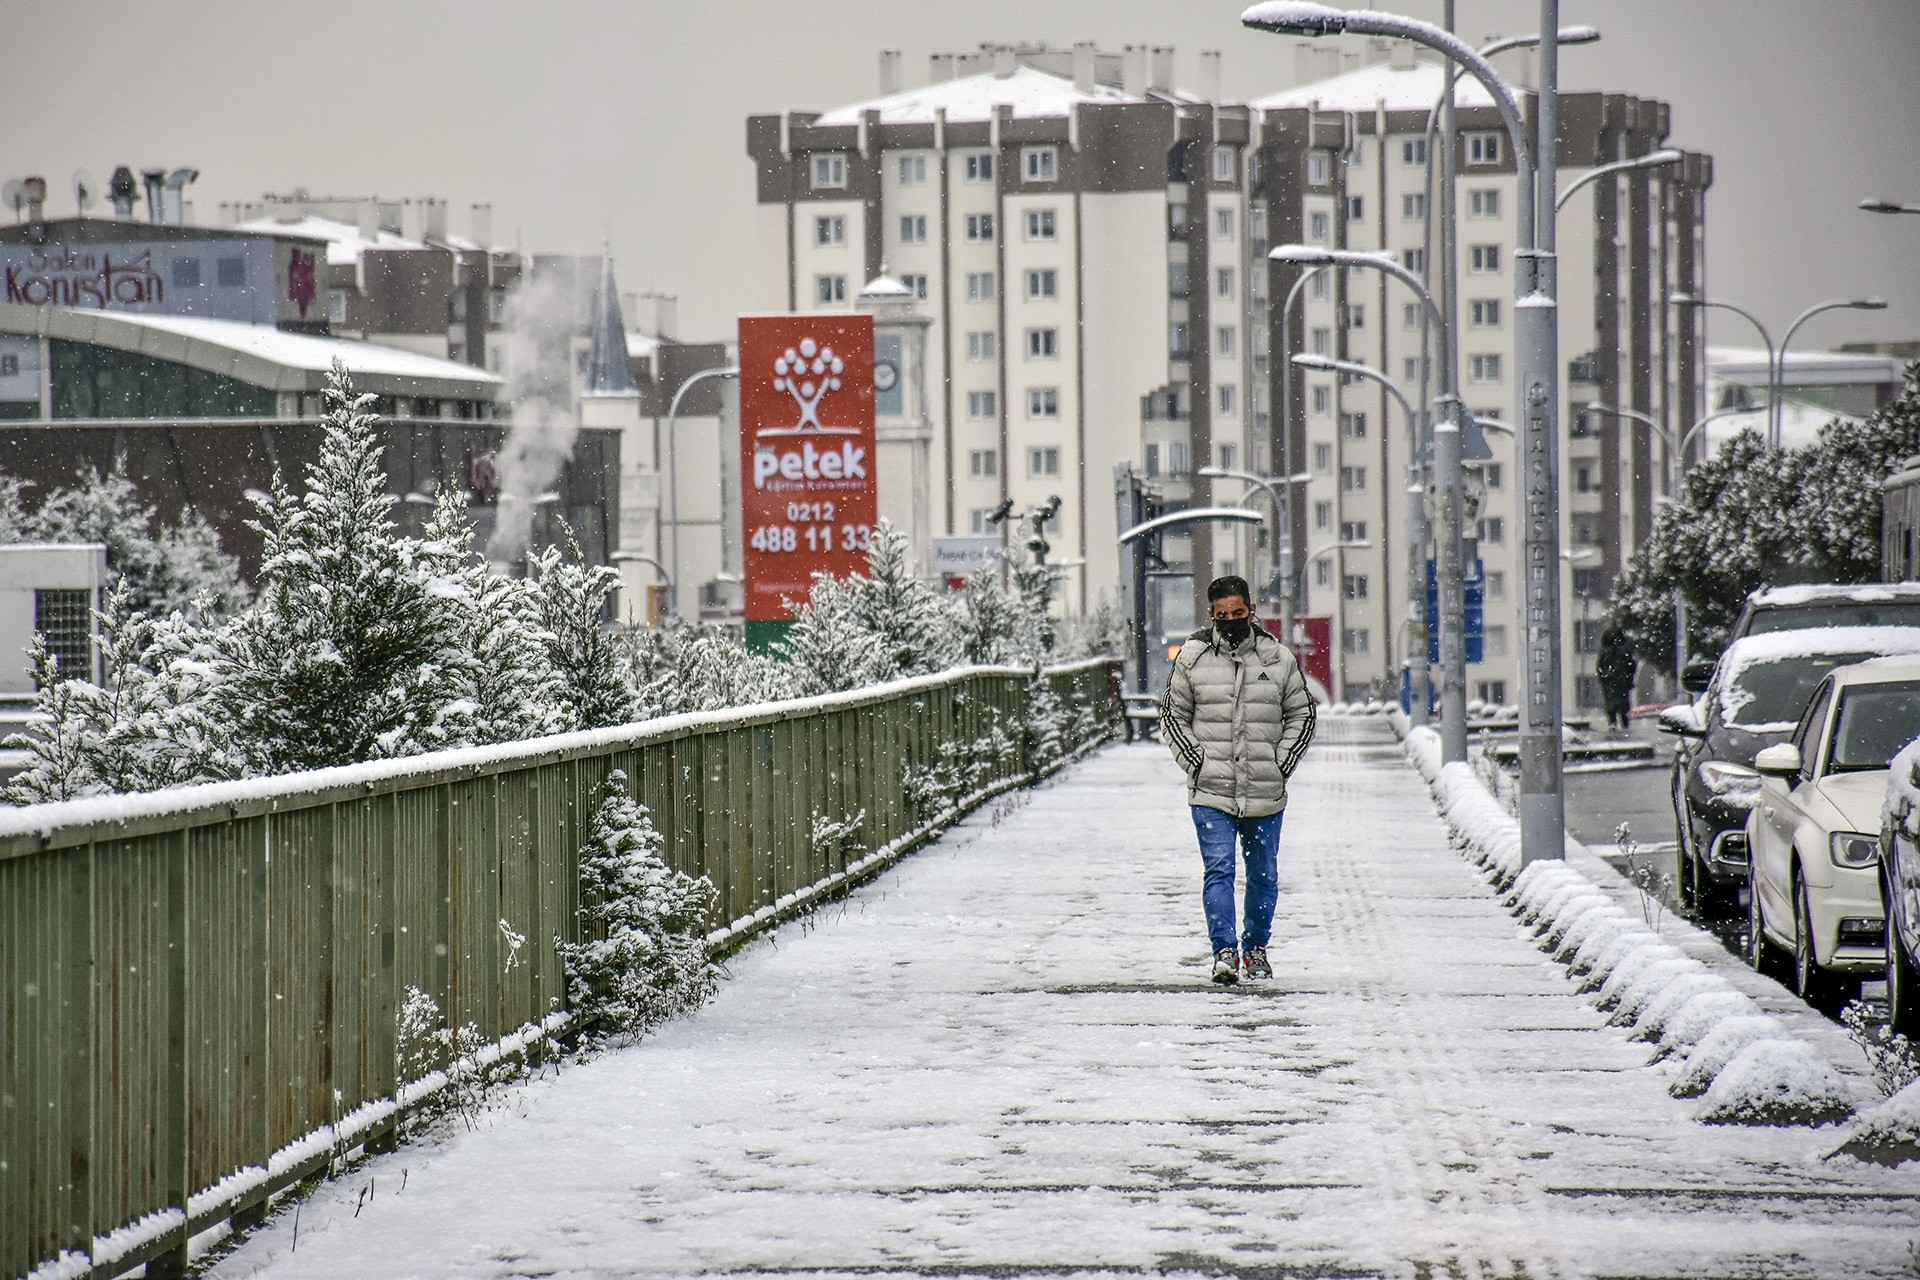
{"x": 1813, "y": 876}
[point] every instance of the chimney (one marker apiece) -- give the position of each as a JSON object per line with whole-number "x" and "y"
{"x": 1133, "y": 69}
{"x": 154, "y": 180}
{"x": 1210, "y": 74}
{"x": 1083, "y": 51}
{"x": 436, "y": 211}
{"x": 1003, "y": 61}
{"x": 1163, "y": 67}
{"x": 33, "y": 192}
{"x": 480, "y": 225}
{"x": 889, "y": 72}
{"x": 122, "y": 191}
{"x": 939, "y": 68}
{"x": 369, "y": 218}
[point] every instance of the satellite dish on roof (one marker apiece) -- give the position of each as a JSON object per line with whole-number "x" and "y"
{"x": 13, "y": 195}
{"x": 85, "y": 190}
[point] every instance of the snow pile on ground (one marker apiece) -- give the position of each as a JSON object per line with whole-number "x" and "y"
{"x": 1888, "y": 1133}
{"x": 1750, "y": 1069}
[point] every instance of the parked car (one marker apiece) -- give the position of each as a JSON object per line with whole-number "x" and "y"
{"x": 1819, "y": 604}
{"x": 1900, "y": 888}
{"x": 1814, "y": 835}
{"x": 1758, "y": 690}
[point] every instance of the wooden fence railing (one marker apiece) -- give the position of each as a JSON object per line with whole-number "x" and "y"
{"x": 198, "y": 987}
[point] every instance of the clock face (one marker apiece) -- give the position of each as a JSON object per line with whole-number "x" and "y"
{"x": 884, "y": 376}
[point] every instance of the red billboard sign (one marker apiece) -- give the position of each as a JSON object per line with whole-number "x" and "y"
{"x": 1312, "y": 646}
{"x": 806, "y": 453}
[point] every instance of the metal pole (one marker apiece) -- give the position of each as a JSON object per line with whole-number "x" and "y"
{"x": 673, "y": 481}
{"x": 1780, "y": 360}
{"x": 1448, "y": 566}
{"x": 1543, "y": 819}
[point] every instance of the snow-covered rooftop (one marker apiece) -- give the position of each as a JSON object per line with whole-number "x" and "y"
{"x": 1414, "y": 88}
{"x": 345, "y": 244}
{"x": 1749, "y": 365}
{"x": 309, "y": 351}
{"x": 1030, "y": 92}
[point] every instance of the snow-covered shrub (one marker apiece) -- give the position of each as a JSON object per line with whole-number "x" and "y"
{"x": 1651, "y": 1017}
{"x": 828, "y": 646}
{"x": 961, "y": 769}
{"x": 1699, "y": 1014}
{"x": 909, "y": 623}
{"x": 594, "y": 680}
{"x": 687, "y": 667}
{"x": 642, "y": 957}
{"x": 1776, "y": 1082}
{"x": 1893, "y": 1060}
{"x": 1889, "y": 1132}
{"x": 1717, "y": 1048}
{"x": 834, "y": 841}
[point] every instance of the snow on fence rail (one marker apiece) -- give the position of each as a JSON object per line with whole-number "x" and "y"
{"x": 196, "y": 983}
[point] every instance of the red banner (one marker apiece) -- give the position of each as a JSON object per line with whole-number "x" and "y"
{"x": 806, "y": 453}
{"x": 1312, "y": 646}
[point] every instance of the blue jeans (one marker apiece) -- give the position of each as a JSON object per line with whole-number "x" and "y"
{"x": 1259, "y": 840}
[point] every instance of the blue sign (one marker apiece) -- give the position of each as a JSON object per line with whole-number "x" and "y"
{"x": 1475, "y": 598}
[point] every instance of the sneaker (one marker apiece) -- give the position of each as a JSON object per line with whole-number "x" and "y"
{"x": 1255, "y": 960}
{"x": 1226, "y": 967}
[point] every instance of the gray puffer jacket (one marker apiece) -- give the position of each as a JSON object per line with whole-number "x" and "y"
{"x": 1238, "y": 721}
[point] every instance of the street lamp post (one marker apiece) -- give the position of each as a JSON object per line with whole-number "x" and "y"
{"x": 1418, "y": 689}
{"x": 1652, "y": 160}
{"x": 1780, "y": 361}
{"x": 1446, "y": 458}
{"x": 1694, "y": 300}
{"x": 673, "y": 480}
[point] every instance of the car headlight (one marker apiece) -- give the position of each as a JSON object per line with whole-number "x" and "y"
{"x": 1734, "y": 783}
{"x": 1851, "y": 849}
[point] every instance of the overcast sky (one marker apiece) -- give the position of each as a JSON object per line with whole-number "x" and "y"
{"x": 625, "y": 122}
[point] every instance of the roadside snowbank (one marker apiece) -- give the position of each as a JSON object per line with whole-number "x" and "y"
{"x": 1710, "y": 1036}
{"x": 1888, "y": 1133}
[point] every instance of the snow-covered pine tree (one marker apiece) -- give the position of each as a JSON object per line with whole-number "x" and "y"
{"x": 828, "y": 646}
{"x": 594, "y": 687}
{"x": 345, "y": 655}
{"x": 700, "y": 668}
{"x": 988, "y": 620}
{"x": 912, "y": 625}
{"x": 642, "y": 957}
{"x": 60, "y": 756}
{"x": 1033, "y": 585}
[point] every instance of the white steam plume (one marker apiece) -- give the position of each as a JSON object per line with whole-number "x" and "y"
{"x": 537, "y": 366}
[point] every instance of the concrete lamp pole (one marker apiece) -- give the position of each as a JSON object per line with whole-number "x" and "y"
{"x": 673, "y": 481}
{"x": 1418, "y": 689}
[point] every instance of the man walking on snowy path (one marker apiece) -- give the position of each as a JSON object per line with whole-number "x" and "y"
{"x": 1238, "y": 717}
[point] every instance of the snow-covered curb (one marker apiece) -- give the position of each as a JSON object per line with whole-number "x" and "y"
{"x": 1746, "y": 1067}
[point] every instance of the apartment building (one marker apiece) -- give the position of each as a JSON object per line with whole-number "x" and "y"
{"x": 1090, "y": 244}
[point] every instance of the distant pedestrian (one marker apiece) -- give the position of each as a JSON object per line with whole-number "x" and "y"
{"x": 1238, "y": 717}
{"x": 1615, "y": 666}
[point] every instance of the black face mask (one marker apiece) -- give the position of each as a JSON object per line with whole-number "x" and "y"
{"x": 1234, "y": 630}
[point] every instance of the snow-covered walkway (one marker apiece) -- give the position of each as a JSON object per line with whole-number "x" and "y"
{"x": 1003, "y": 1059}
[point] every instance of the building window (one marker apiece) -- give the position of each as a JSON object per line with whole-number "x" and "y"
{"x": 230, "y": 273}
{"x": 1357, "y": 155}
{"x": 1353, "y": 479}
{"x": 1484, "y": 258}
{"x": 1323, "y": 573}
{"x": 1353, "y": 426}
{"x": 1493, "y": 529}
{"x": 1356, "y": 316}
{"x": 1039, "y": 224}
{"x": 981, "y": 345}
{"x": 979, "y": 286}
{"x": 1409, "y": 315}
{"x": 186, "y": 273}
{"x": 1317, "y": 168}
{"x": 1043, "y": 344}
{"x": 1039, "y": 162}
{"x": 1484, "y": 369}
{"x": 1355, "y": 640}
{"x": 1413, "y": 151}
{"x": 1153, "y": 462}
{"x": 1583, "y": 479}
{"x": 1042, "y": 284}
{"x": 979, "y": 228}
{"x": 1583, "y": 533}
{"x": 983, "y": 464}
{"x": 1483, "y": 204}
{"x": 1043, "y": 402}
{"x": 1043, "y": 462}
{"x": 1586, "y": 636}
{"x": 1588, "y": 582}
{"x": 1356, "y": 208}
{"x": 1492, "y": 471}
{"x": 1177, "y": 340}
{"x": 1413, "y": 207}
{"x": 1317, "y": 286}
{"x": 1322, "y": 516}
{"x": 1322, "y": 401}
{"x": 828, "y": 290}
{"x": 1223, "y": 165}
{"x": 1177, "y": 460}
{"x": 1223, "y": 223}
{"x": 1353, "y": 531}
{"x": 1316, "y": 226}
{"x": 64, "y": 619}
{"x": 1225, "y": 342}
{"x": 1353, "y": 586}
{"x": 1414, "y": 260}
{"x": 983, "y": 404}
{"x": 1410, "y": 369}
{"x": 1176, "y": 279}
{"x": 913, "y": 229}
{"x": 917, "y": 283}
{"x": 1492, "y": 692}
{"x": 913, "y": 170}
{"x": 1323, "y": 457}
{"x": 1496, "y": 584}
{"x": 829, "y": 171}
{"x": 1483, "y": 148}
{"x": 336, "y": 306}
{"x": 1484, "y": 313}
{"x": 1223, "y": 400}
{"x": 1223, "y": 282}
{"x": 1321, "y": 341}
{"x": 834, "y": 230}
{"x": 980, "y": 167}
{"x": 1229, "y": 457}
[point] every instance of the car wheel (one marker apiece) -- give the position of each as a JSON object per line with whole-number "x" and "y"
{"x": 1761, "y": 954}
{"x": 1903, "y": 986}
{"x": 1820, "y": 988}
